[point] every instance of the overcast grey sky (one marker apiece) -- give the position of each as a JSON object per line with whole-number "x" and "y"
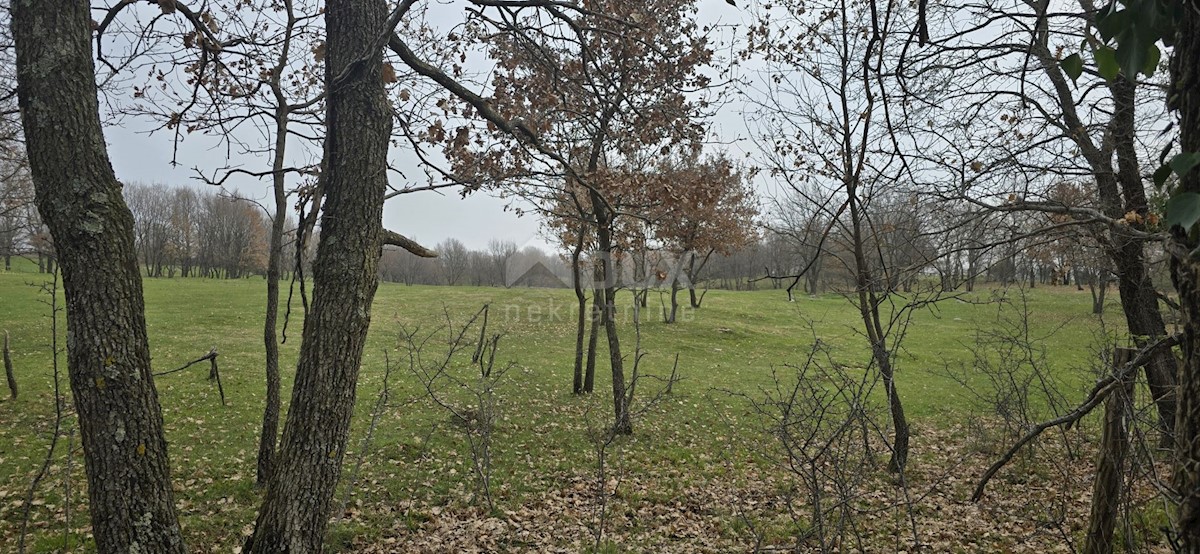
{"x": 428, "y": 217}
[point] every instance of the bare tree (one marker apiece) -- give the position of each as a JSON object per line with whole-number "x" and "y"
{"x": 466, "y": 390}
{"x": 829, "y": 87}
{"x": 820, "y": 418}
{"x": 499, "y": 251}
{"x": 16, "y": 206}
{"x": 454, "y": 260}
{"x": 798, "y": 219}
{"x": 1026, "y": 122}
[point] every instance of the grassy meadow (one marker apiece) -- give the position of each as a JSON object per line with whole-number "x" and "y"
{"x": 696, "y": 476}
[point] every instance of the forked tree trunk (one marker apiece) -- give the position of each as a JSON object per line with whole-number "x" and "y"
{"x": 607, "y": 286}
{"x": 108, "y": 355}
{"x": 296, "y": 510}
{"x": 1185, "y": 272}
{"x": 693, "y": 274}
{"x": 868, "y": 306}
{"x": 1120, "y": 190}
{"x": 1145, "y": 322}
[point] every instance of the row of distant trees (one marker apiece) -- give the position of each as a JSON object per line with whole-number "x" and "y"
{"x": 785, "y": 248}
{"x": 178, "y": 231}
{"x": 21, "y": 230}
{"x": 196, "y": 233}
{"x": 184, "y": 232}
{"x": 913, "y": 238}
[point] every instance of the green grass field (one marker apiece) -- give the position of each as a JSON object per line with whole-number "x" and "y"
{"x": 419, "y": 465}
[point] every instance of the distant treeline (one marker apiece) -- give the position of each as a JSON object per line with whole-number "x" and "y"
{"x": 185, "y": 232}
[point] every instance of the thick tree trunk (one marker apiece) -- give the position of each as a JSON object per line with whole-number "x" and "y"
{"x": 108, "y": 355}
{"x": 1185, "y": 272}
{"x": 1121, "y": 190}
{"x": 1145, "y": 323}
{"x": 1138, "y": 296}
{"x": 296, "y": 510}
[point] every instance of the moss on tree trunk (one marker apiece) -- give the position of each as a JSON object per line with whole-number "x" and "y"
{"x": 108, "y": 355}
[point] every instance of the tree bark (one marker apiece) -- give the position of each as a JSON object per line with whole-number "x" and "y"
{"x": 1138, "y": 295}
{"x": 1099, "y": 289}
{"x": 868, "y": 306}
{"x": 270, "y": 421}
{"x": 1145, "y": 322}
{"x": 1185, "y": 273}
{"x": 296, "y": 510}
{"x": 392, "y": 238}
{"x": 693, "y": 273}
{"x": 643, "y": 279}
{"x": 589, "y": 376}
{"x": 607, "y": 287}
{"x": 1120, "y": 190}
{"x": 1110, "y": 467}
{"x": 674, "y": 302}
{"x": 108, "y": 355}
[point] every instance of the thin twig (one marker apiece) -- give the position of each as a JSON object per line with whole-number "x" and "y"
{"x": 52, "y": 290}
{"x": 1103, "y": 388}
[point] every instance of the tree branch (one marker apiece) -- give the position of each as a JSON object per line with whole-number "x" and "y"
{"x": 392, "y": 238}
{"x": 1099, "y": 392}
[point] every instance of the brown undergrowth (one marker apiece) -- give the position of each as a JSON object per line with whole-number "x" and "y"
{"x": 1038, "y": 504}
